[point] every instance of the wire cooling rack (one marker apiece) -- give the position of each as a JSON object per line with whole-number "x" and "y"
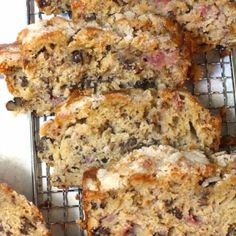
{"x": 214, "y": 87}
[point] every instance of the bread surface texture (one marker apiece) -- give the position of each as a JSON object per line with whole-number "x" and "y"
{"x": 91, "y": 130}
{"x": 54, "y": 57}
{"x": 18, "y": 216}
{"x": 161, "y": 191}
{"x": 210, "y": 22}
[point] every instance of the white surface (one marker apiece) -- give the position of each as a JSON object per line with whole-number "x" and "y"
{"x": 12, "y": 19}
{"x": 15, "y": 149}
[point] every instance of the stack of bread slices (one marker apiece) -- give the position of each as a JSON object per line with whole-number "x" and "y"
{"x": 125, "y": 128}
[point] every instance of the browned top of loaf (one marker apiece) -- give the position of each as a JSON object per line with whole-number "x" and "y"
{"x": 141, "y": 52}
{"x": 156, "y": 175}
{"x": 67, "y": 112}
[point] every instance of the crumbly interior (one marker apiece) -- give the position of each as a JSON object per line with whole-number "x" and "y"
{"x": 210, "y": 22}
{"x": 58, "y": 57}
{"x": 54, "y": 6}
{"x": 92, "y": 130}
{"x": 177, "y": 195}
{"x": 18, "y": 216}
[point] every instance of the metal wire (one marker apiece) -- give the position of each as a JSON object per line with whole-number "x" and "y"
{"x": 215, "y": 89}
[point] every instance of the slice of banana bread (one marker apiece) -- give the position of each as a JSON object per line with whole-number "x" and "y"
{"x": 18, "y": 216}
{"x": 56, "y": 57}
{"x": 161, "y": 191}
{"x": 92, "y": 130}
{"x": 211, "y": 22}
{"x": 54, "y": 6}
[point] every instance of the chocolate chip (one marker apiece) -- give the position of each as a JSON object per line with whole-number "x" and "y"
{"x": 231, "y": 231}
{"x": 168, "y": 202}
{"x": 106, "y": 126}
{"x": 80, "y": 56}
{"x": 145, "y": 84}
{"x": 75, "y": 168}
{"x": 90, "y": 17}
{"x": 101, "y": 231}
{"x": 77, "y": 56}
{"x": 82, "y": 120}
{"x": 108, "y": 47}
{"x": 120, "y": 2}
{"x": 8, "y": 233}
{"x": 103, "y": 205}
{"x": 94, "y": 205}
{"x": 13, "y": 105}
{"x": 1, "y": 228}
{"x": 24, "y": 81}
{"x": 18, "y": 101}
{"x": 44, "y": 3}
{"x": 52, "y": 46}
{"x": 113, "y": 194}
{"x": 26, "y": 226}
{"x": 44, "y": 51}
{"x": 13, "y": 199}
{"x": 177, "y": 213}
{"x": 104, "y": 160}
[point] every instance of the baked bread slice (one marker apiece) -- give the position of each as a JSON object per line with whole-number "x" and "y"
{"x": 161, "y": 191}
{"x": 211, "y": 22}
{"x": 93, "y": 130}
{"x": 56, "y": 57}
{"x": 18, "y": 216}
{"x": 54, "y": 6}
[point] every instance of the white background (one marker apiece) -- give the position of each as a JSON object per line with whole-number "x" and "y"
{"x": 15, "y": 148}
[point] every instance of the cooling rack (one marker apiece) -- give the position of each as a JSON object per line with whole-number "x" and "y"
{"x": 215, "y": 88}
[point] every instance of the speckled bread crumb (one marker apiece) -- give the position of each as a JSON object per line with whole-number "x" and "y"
{"x": 161, "y": 191}
{"x": 210, "y": 22}
{"x": 57, "y": 57}
{"x": 18, "y": 216}
{"x": 93, "y": 130}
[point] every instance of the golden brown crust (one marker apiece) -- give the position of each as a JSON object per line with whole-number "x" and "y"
{"x": 57, "y": 57}
{"x": 209, "y": 22}
{"x": 9, "y": 57}
{"x": 189, "y": 195}
{"x": 166, "y": 117}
